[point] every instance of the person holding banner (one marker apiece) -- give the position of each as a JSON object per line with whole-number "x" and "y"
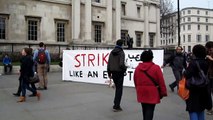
{"x": 149, "y": 84}
{"x": 116, "y": 70}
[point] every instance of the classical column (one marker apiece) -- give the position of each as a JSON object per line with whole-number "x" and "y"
{"x": 109, "y": 21}
{"x": 146, "y": 22}
{"x": 118, "y": 19}
{"x": 76, "y": 20}
{"x": 157, "y": 40}
{"x": 88, "y": 20}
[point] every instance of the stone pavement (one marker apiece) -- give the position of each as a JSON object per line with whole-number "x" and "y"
{"x": 82, "y": 101}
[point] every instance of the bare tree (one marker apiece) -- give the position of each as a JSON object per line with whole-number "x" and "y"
{"x": 166, "y": 7}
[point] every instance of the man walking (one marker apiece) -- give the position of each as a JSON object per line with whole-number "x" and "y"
{"x": 177, "y": 62}
{"x": 42, "y": 58}
{"x": 116, "y": 69}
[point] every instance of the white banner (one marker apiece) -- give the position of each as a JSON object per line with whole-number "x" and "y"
{"x": 90, "y": 66}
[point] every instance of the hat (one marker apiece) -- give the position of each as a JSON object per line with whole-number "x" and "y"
{"x": 147, "y": 55}
{"x": 119, "y": 42}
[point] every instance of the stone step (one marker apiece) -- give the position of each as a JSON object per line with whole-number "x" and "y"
{"x": 15, "y": 70}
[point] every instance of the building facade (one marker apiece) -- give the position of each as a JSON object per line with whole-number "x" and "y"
{"x": 169, "y": 31}
{"x": 78, "y": 22}
{"x": 196, "y": 27}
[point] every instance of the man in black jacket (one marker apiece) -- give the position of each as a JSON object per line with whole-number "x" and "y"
{"x": 177, "y": 62}
{"x": 116, "y": 69}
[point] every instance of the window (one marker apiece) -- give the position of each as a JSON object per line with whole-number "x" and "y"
{"x": 98, "y": 1}
{"x": 183, "y": 12}
{"x": 198, "y": 38}
{"x": 198, "y": 27}
{"x": 123, "y": 9}
{"x": 206, "y": 12}
{"x": 198, "y": 19}
{"x": 183, "y": 19}
{"x": 61, "y": 30}
{"x": 207, "y": 28}
{"x": 98, "y": 33}
{"x": 3, "y": 27}
{"x": 139, "y": 11}
{"x": 207, "y": 38}
{"x": 138, "y": 39}
{"x": 207, "y": 20}
{"x": 189, "y": 38}
{"x": 33, "y": 28}
{"x": 198, "y": 12}
{"x": 184, "y": 38}
{"x": 151, "y": 39}
{"x": 189, "y": 48}
{"x": 183, "y": 27}
{"x": 189, "y": 11}
{"x": 124, "y": 34}
{"x": 189, "y": 27}
{"x": 189, "y": 19}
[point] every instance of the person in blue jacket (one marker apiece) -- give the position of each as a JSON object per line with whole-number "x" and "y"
{"x": 7, "y": 62}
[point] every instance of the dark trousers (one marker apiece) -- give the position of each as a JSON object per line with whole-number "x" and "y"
{"x": 118, "y": 78}
{"x": 148, "y": 111}
{"x": 210, "y": 92}
{"x": 19, "y": 87}
{"x": 178, "y": 76}
{"x": 7, "y": 66}
{"x": 26, "y": 86}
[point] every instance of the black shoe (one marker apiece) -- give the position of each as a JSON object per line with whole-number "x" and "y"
{"x": 45, "y": 88}
{"x": 16, "y": 94}
{"x": 172, "y": 89}
{"x": 32, "y": 95}
{"x": 119, "y": 109}
{"x": 39, "y": 88}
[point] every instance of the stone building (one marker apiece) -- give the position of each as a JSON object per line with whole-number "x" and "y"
{"x": 78, "y": 23}
{"x": 169, "y": 31}
{"x": 196, "y": 27}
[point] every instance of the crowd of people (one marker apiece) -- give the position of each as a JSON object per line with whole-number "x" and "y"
{"x": 148, "y": 77}
{"x": 32, "y": 63}
{"x": 150, "y": 84}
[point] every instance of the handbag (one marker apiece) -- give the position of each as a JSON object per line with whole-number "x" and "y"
{"x": 199, "y": 80}
{"x": 34, "y": 79}
{"x": 183, "y": 92}
{"x": 156, "y": 84}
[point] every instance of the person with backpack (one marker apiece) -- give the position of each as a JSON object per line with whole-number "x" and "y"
{"x": 198, "y": 99}
{"x": 116, "y": 69}
{"x": 178, "y": 63}
{"x": 42, "y": 58}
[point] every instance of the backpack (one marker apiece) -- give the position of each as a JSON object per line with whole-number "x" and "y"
{"x": 199, "y": 80}
{"x": 41, "y": 56}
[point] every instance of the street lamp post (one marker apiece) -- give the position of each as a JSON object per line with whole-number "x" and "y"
{"x": 178, "y": 5}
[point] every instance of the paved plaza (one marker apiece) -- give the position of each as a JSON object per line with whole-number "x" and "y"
{"x": 82, "y": 101}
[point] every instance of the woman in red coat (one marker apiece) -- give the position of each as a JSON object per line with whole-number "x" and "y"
{"x": 147, "y": 84}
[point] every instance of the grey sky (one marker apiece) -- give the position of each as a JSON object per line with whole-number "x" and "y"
{"x": 193, "y": 3}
